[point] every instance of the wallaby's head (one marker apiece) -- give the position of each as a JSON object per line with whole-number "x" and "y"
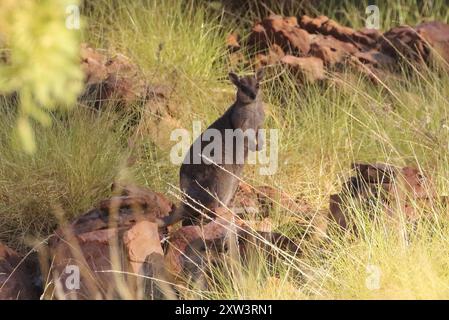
{"x": 247, "y": 86}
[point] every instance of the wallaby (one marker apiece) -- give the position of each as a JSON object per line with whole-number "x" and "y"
{"x": 213, "y": 184}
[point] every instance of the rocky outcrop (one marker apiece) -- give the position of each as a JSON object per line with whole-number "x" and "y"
{"x": 419, "y": 44}
{"x": 116, "y": 249}
{"x": 111, "y": 246}
{"x": 313, "y": 46}
{"x": 116, "y": 79}
{"x": 17, "y": 276}
{"x": 258, "y": 201}
{"x": 397, "y": 191}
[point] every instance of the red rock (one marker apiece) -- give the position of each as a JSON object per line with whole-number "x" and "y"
{"x": 136, "y": 204}
{"x": 367, "y": 37}
{"x": 283, "y": 32}
{"x": 403, "y": 41}
{"x": 93, "y": 65}
{"x": 325, "y": 26}
{"x": 437, "y": 35}
{"x": 262, "y": 199}
{"x": 417, "y": 44}
{"x": 257, "y": 37}
{"x": 331, "y": 50}
{"x": 16, "y": 282}
{"x": 141, "y": 241}
{"x": 245, "y": 200}
{"x": 398, "y": 190}
{"x": 313, "y": 25}
{"x": 115, "y": 79}
{"x": 178, "y": 243}
{"x": 374, "y": 58}
{"x": 121, "y": 229}
{"x": 179, "y": 251}
{"x": 275, "y": 54}
{"x": 310, "y": 68}
{"x": 232, "y": 42}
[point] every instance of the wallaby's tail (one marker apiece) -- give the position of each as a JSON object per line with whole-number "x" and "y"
{"x": 177, "y": 215}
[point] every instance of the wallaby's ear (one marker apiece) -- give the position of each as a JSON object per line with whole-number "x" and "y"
{"x": 234, "y": 78}
{"x": 259, "y": 74}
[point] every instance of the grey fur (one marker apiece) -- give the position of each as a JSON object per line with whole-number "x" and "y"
{"x": 214, "y": 185}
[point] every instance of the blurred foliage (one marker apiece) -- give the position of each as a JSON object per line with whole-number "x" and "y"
{"x": 41, "y": 60}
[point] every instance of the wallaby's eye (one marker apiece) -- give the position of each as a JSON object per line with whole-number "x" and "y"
{"x": 257, "y": 85}
{"x": 248, "y": 92}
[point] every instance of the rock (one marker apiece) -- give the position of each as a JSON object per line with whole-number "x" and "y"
{"x": 403, "y": 41}
{"x": 178, "y": 242}
{"x": 135, "y": 204}
{"x": 232, "y": 42}
{"x": 283, "y": 32}
{"x": 368, "y": 37}
{"x": 16, "y": 276}
{"x": 308, "y": 68}
{"x": 374, "y": 58}
{"x": 437, "y": 35}
{"x": 193, "y": 250}
{"x": 199, "y": 255}
{"x": 275, "y": 54}
{"x": 262, "y": 199}
{"x": 158, "y": 123}
{"x": 115, "y": 79}
{"x": 141, "y": 241}
{"x": 124, "y": 83}
{"x": 417, "y": 43}
{"x": 331, "y": 50}
{"x": 363, "y": 39}
{"x": 245, "y": 201}
{"x": 301, "y": 46}
{"x": 313, "y": 25}
{"x": 187, "y": 242}
{"x": 93, "y": 65}
{"x": 119, "y": 236}
{"x": 252, "y": 203}
{"x": 397, "y": 190}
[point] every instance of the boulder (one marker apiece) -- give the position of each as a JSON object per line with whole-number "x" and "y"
{"x": 233, "y": 42}
{"x": 363, "y": 39}
{"x": 112, "y": 247}
{"x": 420, "y": 44}
{"x": 194, "y": 250}
{"x": 436, "y": 34}
{"x": 310, "y": 69}
{"x": 115, "y": 78}
{"x": 399, "y": 191}
{"x": 281, "y": 31}
{"x": 403, "y": 41}
{"x": 262, "y": 199}
{"x": 16, "y": 276}
{"x": 313, "y": 45}
{"x": 331, "y": 50}
{"x": 187, "y": 244}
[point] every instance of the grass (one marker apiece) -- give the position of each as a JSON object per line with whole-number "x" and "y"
{"x": 77, "y": 159}
{"x": 322, "y": 129}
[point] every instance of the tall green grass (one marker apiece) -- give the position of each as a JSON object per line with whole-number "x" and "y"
{"x": 78, "y": 158}
{"x": 322, "y": 129}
